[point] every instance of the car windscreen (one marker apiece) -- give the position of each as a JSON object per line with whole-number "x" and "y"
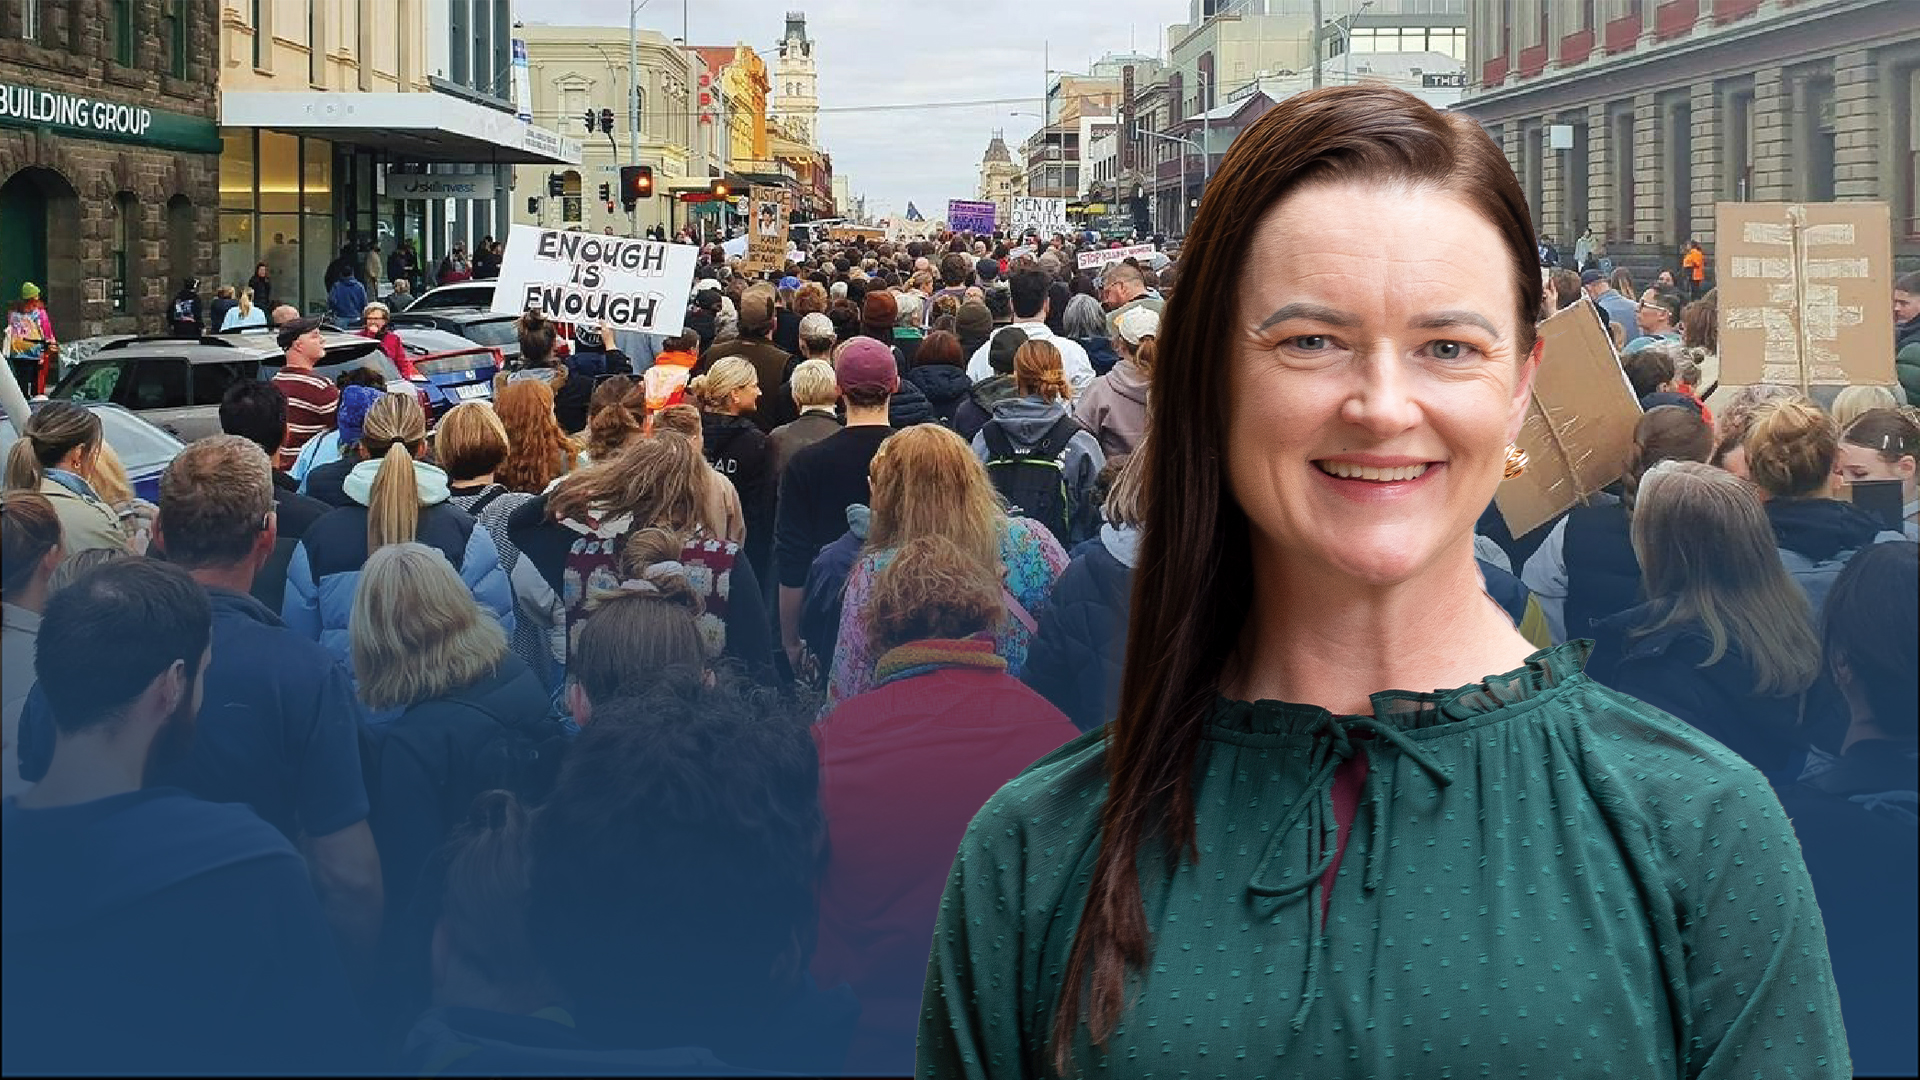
{"x": 421, "y": 340}
{"x": 498, "y": 331}
{"x": 339, "y": 358}
{"x": 461, "y": 296}
{"x": 141, "y": 446}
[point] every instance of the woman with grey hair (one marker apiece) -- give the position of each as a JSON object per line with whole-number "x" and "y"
{"x": 1085, "y": 322}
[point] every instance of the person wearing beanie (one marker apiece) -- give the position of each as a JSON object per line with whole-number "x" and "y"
{"x": 878, "y": 312}
{"x": 328, "y": 482}
{"x": 31, "y": 347}
{"x": 758, "y": 318}
{"x": 974, "y": 412}
{"x": 823, "y": 480}
{"x": 973, "y": 325}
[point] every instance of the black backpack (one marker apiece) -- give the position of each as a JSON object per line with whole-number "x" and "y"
{"x": 1033, "y": 479}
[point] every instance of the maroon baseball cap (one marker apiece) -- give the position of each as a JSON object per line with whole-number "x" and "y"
{"x": 863, "y": 361}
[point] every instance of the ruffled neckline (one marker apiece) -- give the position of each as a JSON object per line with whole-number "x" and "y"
{"x": 1406, "y": 710}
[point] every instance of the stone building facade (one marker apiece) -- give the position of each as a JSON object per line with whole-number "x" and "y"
{"x": 1663, "y": 108}
{"x": 109, "y": 157}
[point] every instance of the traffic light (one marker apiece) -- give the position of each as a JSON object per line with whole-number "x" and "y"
{"x": 606, "y": 121}
{"x": 556, "y": 185}
{"x": 592, "y": 119}
{"x": 720, "y": 189}
{"x": 533, "y": 204}
{"x": 636, "y": 183}
{"x": 606, "y": 193}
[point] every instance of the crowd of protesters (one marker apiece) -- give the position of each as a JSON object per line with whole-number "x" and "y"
{"x": 629, "y": 722}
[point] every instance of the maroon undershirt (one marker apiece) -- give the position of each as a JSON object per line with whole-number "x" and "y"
{"x": 1348, "y": 781}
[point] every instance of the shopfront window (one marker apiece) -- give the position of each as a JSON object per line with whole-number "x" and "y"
{"x": 277, "y": 200}
{"x": 279, "y": 172}
{"x": 126, "y": 240}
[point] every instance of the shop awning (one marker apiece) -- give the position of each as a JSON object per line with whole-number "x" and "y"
{"x": 427, "y": 127}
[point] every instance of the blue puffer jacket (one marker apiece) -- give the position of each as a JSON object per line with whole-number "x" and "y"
{"x": 325, "y": 568}
{"x": 1076, "y": 657}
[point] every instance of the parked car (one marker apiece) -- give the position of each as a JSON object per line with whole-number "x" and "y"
{"x": 476, "y": 324}
{"x": 177, "y": 383}
{"x": 460, "y": 294}
{"x": 452, "y": 369}
{"x": 144, "y": 449}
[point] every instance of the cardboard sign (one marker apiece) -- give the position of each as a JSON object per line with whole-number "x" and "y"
{"x": 1803, "y": 293}
{"x": 1579, "y": 425}
{"x": 968, "y": 216}
{"x": 767, "y": 230}
{"x": 579, "y": 277}
{"x": 847, "y": 234}
{"x": 1047, "y": 216}
{"x": 1104, "y": 256}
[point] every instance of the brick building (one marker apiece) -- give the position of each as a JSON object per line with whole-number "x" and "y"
{"x": 1637, "y": 116}
{"x": 109, "y": 157}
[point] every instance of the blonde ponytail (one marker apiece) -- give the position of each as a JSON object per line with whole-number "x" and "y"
{"x": 23, "y": 467}
{"x": 51, "y": 433}
{"x": 393, "y": 509}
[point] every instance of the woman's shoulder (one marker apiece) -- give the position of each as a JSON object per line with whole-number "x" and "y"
{"x": 1641, "y": 758}
{"x": 1056, "y": 801}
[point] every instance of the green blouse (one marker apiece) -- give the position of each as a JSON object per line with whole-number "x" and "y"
{"x": 1544, "y": 878}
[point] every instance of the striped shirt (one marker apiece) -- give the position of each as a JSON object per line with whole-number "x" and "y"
{"x": 312, "y": 402}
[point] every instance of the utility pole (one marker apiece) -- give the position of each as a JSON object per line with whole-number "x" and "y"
{"x": 1316, "y": 44}
{"x": 633, "y": 102}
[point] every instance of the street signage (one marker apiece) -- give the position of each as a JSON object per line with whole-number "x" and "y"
{"x": 80, "y": 116}
{"x": 580, "y": 277}
{"x": 414, "y": 185}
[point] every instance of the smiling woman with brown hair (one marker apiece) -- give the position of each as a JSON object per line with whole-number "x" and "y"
{"x": 1288, "y": 855}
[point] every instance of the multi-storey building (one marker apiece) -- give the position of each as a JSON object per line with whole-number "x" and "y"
{"x": 109, "y": 158}
{"x": 999, "y": 178}
{"x": 1636, "y": 116}
{"x": 574, "y": 69}
{"x": 349, "y": 128}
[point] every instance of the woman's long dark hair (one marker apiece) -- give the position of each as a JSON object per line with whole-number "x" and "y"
{"x": 1190, "y": 596}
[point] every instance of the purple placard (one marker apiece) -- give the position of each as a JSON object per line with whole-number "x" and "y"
{"x": 973, "y": 217}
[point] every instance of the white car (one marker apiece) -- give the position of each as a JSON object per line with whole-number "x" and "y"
{"x": 459, "y": 294}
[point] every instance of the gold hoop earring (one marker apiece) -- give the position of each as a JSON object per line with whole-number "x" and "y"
{"x": 1516, "y": 462}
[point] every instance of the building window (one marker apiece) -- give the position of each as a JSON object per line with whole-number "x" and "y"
{"x": 126, "y": 240}
{"x": 570, "y": 197}
{"x": 176, "y": 18}
{"x": 316, "y": 48}
{"x": 120, "y": 32}
{"x": 262, "y": 34}
{"x": 30, "y": 19}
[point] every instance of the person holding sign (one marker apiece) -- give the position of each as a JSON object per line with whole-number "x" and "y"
{"x": 1287, "y": 846}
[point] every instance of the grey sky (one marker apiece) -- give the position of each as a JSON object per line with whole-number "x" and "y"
{"x": 872, "y": 54}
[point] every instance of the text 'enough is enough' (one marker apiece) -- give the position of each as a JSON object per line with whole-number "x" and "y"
{"x": 571, "y": 303}
{"x": 634, "y": 256}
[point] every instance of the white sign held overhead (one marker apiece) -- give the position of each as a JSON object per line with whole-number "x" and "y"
{"x": 589, "y": 278}
{"x": 1048, "y": 216}
{"x": 1103, "y": 256}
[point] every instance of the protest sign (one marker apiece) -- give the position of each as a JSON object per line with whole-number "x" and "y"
{"x": 633, "y": 284}
{"x": 854, "y": 233}
{"x": 1803, "y": 293}
{"x": 767, "y": 239}
{"x": 967, "y": 216}
{"x": 1579, "y": 425}
{"x": 1104, "y": 256}
{"x": 1046, "y": 216}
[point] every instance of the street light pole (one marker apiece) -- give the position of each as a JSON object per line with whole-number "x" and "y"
{"x": 1189, "y": 145}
